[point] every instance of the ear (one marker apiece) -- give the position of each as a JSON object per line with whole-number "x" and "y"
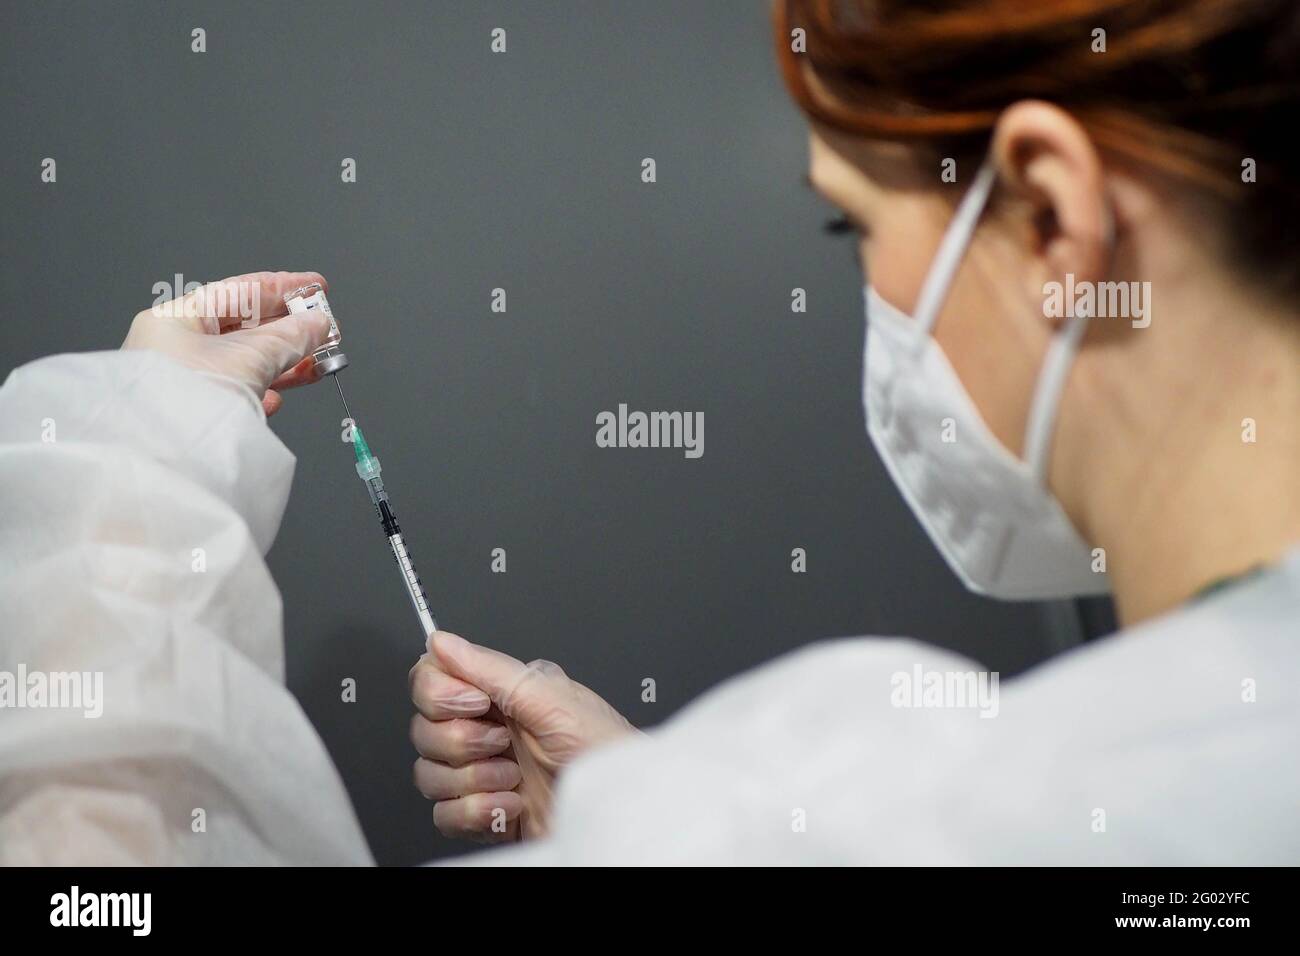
{"x": 1046, "y": 159}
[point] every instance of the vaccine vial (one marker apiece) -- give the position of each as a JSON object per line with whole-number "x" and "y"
{"x": 330, "y": 357}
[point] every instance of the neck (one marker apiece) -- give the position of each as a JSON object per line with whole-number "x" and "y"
{"x": 1187, "y": 529}
{"x": 1195, "y": 476}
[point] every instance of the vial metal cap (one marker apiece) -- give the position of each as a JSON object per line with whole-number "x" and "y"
{"x": 331, "y": 362}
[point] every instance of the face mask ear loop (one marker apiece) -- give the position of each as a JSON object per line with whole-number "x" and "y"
{"x": 1047, "y": 394}
{"x": 1051, "y": 380}
{"x": 951, "y": 250}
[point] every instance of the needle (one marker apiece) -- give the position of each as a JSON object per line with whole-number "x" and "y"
{"x": 347, "y": 411}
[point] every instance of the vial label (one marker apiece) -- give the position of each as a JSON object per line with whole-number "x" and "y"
{"x": 298, "y": 302}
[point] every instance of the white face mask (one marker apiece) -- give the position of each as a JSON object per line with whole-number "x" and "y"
{"x": 989, "y": 513}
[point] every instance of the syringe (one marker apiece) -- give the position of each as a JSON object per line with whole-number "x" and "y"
{"x": 368, "y": 468}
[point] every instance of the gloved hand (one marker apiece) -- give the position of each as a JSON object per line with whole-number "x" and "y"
{"x": 203, "y": 330}
{"x": 493, "y": 733}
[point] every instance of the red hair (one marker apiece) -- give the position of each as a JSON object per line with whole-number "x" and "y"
{"x": 1187, "y": 87}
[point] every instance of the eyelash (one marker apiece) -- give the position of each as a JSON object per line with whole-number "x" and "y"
{"x": 840, "y": 225}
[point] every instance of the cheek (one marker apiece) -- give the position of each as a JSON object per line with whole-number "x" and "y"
{"x": 994, "y": 362}
{"x": 897, "y": 256}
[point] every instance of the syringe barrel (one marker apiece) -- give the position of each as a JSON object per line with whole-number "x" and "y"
{"x": 414, "y": 589}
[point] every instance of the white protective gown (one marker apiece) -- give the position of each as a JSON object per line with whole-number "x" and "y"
{"x": 1174, "y": 743}
{"x": 122, "y": 474}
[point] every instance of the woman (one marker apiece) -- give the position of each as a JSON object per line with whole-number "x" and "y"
{"x": 1097, "y": 388}
{"x": 1081, "y": 369}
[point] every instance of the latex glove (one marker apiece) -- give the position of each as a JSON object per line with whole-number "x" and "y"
{"x": 493, "y": 733}
{"x": 268, "y": 350}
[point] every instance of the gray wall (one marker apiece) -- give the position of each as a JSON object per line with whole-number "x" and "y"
{"x": 477, "y": 171}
